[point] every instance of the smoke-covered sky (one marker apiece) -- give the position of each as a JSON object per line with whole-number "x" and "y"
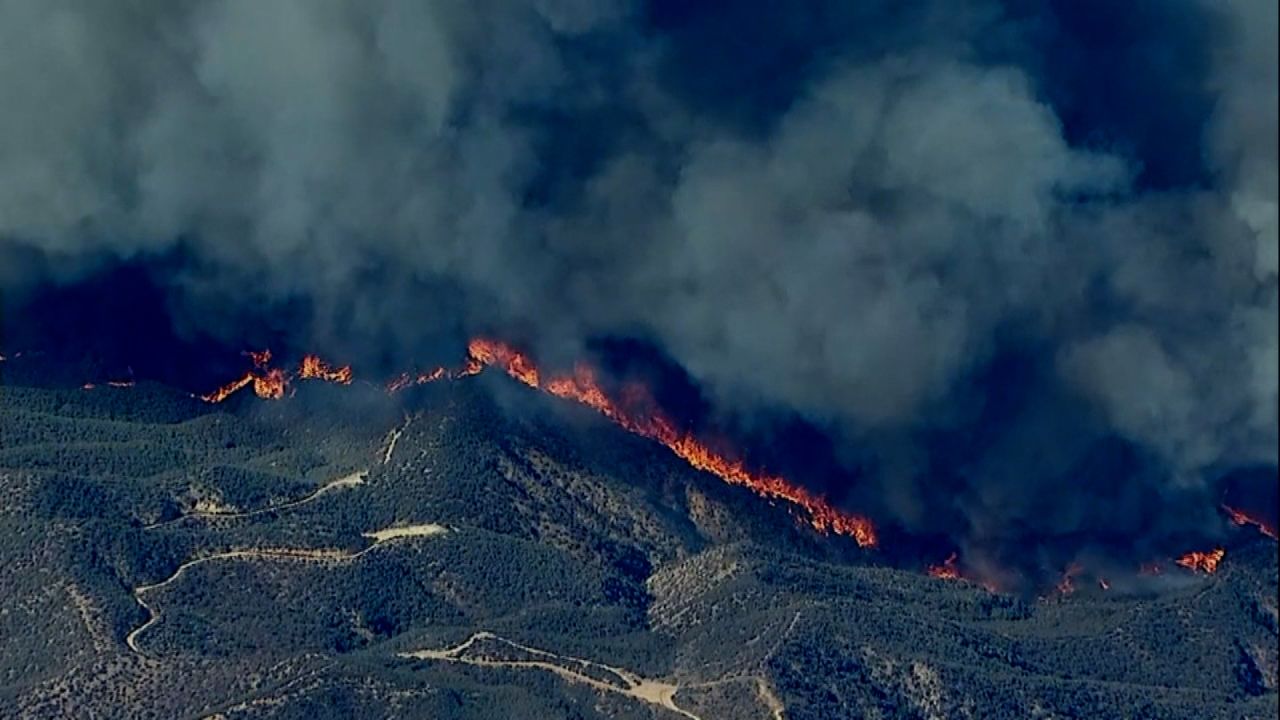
{"x": 899, "y": 221}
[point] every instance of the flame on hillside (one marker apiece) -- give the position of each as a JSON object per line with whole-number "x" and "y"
{"x": 404, "y": 380}
{"x": 1241, "y": 518}
{"x": 1204, "y": 562}
{"x": 950, "y": 569}
{"x": 229, "y": 389}
{"x": 274, "y": 383}
{"x": 271, "y": 385}
{"x": 1067, "y": 584}
{"x": 313, "y": 368}
{"x": 110, "y": 383}
{"x": 947, "y": 570}
{"x": 581, "y": 386}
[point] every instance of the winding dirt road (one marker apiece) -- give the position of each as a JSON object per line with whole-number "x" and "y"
{"x": 380, "y": 538}
{"x": 653, "y": 692}
{"x": 346, "y": 481}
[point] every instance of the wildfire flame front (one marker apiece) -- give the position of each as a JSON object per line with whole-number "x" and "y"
{"x": 1241, "y": 518}
{"x": 581, "y": 386}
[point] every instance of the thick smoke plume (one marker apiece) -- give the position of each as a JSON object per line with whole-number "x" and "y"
{"x": 1018, "y": 260}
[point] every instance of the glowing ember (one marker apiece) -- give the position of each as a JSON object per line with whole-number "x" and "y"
{"x": 404, "y": 380}
{"x": 947, "y": 570}
{"x": 581, "y": 386}
{"x": 950, "y": 570}
{"x": 1067, "y": 584}
{"x": 399, "y": 382}
{"x": 109, "y": 383}
{"x": 261, "y": 358}
{"x": 1241, "y": 518}
{"x": 1205, "y": 562}
{"x": 313, "y": 368}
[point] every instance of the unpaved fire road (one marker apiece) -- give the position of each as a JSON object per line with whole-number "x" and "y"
{"x": 653, "y": 692}
{"x": 380, "y": 537}
{"x": 346, "y": 481}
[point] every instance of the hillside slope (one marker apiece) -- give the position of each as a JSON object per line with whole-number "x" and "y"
{"x": 473, "y": 550}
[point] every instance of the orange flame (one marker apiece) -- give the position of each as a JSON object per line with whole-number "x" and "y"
{"x": 471, "y": 367}
{"x": 581, "y": 386}
{"x": 491, "y": 352}
{"x": 313, "y": 368}
{"x": 1241, "y": 518}
{"x": 229, "y": 389}
{"x": 270, "y": 385}
{"x": 947, "y": 570}
{"x": 1205, "y": 562}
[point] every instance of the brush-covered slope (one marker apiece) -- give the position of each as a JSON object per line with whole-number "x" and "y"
{"x": 474, "y": 550}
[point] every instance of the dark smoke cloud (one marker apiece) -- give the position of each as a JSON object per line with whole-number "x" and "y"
{"x": 852, "y": 211}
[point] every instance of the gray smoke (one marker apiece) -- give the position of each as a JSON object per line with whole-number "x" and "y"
{"x": 853, "y": 251}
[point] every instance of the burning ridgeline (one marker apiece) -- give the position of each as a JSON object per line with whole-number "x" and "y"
{"x": 633, "y": 408}
{"x": 636, "y": 414}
